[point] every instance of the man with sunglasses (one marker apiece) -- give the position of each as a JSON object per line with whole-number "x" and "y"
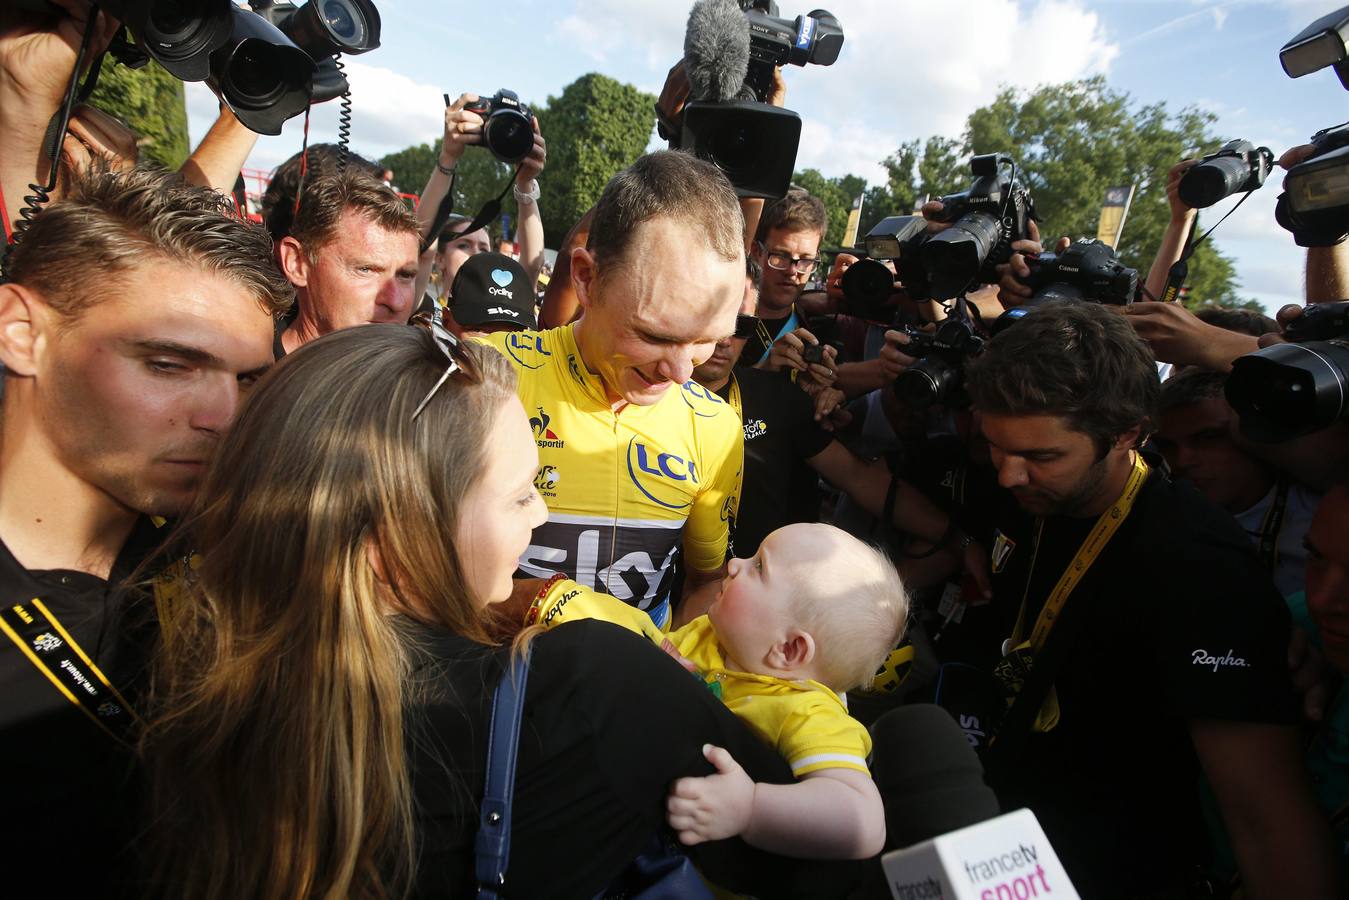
{"x": 1145, "y": 644}
{"x": 638, "y": 462}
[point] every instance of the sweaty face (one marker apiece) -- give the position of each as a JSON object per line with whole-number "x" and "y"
{"x": 780, "y": 288}
{"x": 457, "y": 252}
{"x": 718, "y": 366}
{"x": 135, "y": 394}
{"x": 654, "y": 317}
{"x": 365, "y": 274}
{"x": 1328, "y": 575}
{"x": 1050, "y": 468}
{"x": 1196, "y": 440}
{"x": 502, "y": 509}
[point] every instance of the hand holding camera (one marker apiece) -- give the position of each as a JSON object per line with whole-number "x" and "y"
{"x": 801, "y": 351}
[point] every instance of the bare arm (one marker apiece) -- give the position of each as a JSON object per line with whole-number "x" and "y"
{"x": 1177, "y": 230}
{"x": 461, "y": 129}
{"x": 1328, "y": 273}
{"x": 829, "y": 814}
{"x": 529, "y": 232}
{"x": 221, "y": 154}
{"x": 1282, "y": 843}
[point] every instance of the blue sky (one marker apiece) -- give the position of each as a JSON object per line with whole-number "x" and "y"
{"x": 909, "y": 68}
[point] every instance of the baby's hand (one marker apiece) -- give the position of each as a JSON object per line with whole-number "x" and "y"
{"x": 715, "y": 807}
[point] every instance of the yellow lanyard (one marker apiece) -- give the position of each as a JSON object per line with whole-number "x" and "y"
{"x": 1100, "y": 535}
{"x": 733, "y": 397}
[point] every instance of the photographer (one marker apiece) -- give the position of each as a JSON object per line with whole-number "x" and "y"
{"x": 139, "y": 313}
{"x": 1152, "y": 632}
{"x": 351, "y": 255}
{"x": 463, "y": 128}
{"x": 1195, "y": 428}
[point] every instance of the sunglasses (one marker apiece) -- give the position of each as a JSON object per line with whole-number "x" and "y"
{"x": 458, "y": 361}
{"x": 746, "y": 326}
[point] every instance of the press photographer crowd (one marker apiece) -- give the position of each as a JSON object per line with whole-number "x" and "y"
{"x": 352, "y": 553}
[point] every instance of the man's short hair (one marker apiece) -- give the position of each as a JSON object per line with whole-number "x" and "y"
{"x": 1190, "y": 386}
{"x": 667, "y": 184}
{"x": 1082, "y": 362}
{"x": 797, "y": 211}
{"x": 107, "y": 223}
{"x": 1242, "y": 321}
{"x": 454, "y": 227}
{"x": 278, "y": 201}
{"x": 327, "y": 197}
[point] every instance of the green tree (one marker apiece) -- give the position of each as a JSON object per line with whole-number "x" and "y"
{"x": 151, "y": 101}
{"x": 595, "y": 128}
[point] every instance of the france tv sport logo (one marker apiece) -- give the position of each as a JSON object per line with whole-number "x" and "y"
{"x": 663, "y": 478}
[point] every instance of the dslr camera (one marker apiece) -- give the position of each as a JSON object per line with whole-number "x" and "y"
{"x": 508, "y": 125}
{"x": 939, "y": 374}
{"x": 1291, "y": 389}
{"x": 1087, "y": 270}
{"x": 1236, "y": 168}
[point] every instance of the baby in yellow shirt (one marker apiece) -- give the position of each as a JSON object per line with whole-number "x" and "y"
{"x": 813, "y": 614}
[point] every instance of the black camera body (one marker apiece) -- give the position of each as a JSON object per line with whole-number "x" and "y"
{"x": 1237, "y": 167}
{"x": 995, "y": 211}
{"x": 815, "y": 38}
{"x": 939, "y": 374}
{"x": 508, "y": 125}
{"x": 1315, "y": 203}
{"x": 1287, "y": 390}
{"x": 1087, "y": 270}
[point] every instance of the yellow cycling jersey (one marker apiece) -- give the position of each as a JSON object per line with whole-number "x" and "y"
{"x": 622, "y": 488}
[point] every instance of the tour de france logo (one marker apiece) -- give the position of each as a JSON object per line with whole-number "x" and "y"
{"x": 663, "y": 478}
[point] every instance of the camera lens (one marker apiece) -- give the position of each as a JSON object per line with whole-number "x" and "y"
{"x": 926, "y": 382}
{"x": 955, "y": 255}
{"x": 252, "y": 78}
{"x": 1212, "y": 180}
{"x": 1290, "y": 389}
{"x": 345, "y": 21}
{"x": 173, "y": 20}
{"x": 736, "y": 148}
{"x": 509, "y": 135}
{"x": 867, "y": 285}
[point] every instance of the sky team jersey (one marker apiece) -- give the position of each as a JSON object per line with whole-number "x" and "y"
{"x": 620, "y": 487}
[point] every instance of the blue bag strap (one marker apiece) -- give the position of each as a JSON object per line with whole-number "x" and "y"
{"x": 492, "y": 848}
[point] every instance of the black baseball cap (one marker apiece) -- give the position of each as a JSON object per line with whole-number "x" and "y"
{"x": 490, "y": 288}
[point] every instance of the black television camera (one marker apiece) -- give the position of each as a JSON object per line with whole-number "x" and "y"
{"x": 1237, "y": 167}
{"x": 939, "y": 374}
{"x": 1287, "y": 390}
{"x": 815, "y": 38}
{"x": 508, "y": 126}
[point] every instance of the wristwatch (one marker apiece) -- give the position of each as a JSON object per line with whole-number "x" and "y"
{"x": 530, "y": 196}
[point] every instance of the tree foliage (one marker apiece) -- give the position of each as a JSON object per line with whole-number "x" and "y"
{"x": 151, "y": 101}
{"x": 1070, "y": 141}
{"x": 595, "y": 128}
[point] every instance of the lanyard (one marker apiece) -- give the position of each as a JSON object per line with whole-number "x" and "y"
{"x": 1272, "y": 526}
{"x": 1091, "y": 548}
{"x": 768, "y": 341}
{"x": 733, "y": 397}
{"x": 53, "y": 652}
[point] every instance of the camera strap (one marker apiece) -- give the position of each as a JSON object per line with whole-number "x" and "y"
{"x": 1020, "y": 651}
{"x": 1272, "y": 526}
{"x": 1175, "y": 278}
{"x": 791, "y": 323}
{"x": 40, "y": 637}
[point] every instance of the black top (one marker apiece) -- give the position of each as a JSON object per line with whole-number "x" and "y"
{"x": 780, "y": 435}
{"x": 609, "y": 722}
{"x": 68, "y": 806}
{"x": 756, "y": 347}
{"x": 1175, "y": 621}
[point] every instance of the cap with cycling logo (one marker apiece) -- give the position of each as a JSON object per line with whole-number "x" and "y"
{"x": 492, "y": 288}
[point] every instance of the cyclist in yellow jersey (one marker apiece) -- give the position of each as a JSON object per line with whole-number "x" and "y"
{"x": 636, "y": 460}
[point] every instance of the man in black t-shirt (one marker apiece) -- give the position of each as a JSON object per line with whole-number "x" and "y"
{"x": 1158, "y": 643}
{"x": 787, "y": 250}
{"x": 138, "y": 312}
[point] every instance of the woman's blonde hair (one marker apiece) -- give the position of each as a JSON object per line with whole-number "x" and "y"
{"x": 278, "y": 759}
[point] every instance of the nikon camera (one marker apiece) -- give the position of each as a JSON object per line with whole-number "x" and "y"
{"x": 1315, "y": 202}
{"x": 1238, "y": 166}
{"x": 508, "y": 125}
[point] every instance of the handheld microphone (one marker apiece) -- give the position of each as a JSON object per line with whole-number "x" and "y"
{"x": 938, "y": 809}
{"x": 716, "y": 52}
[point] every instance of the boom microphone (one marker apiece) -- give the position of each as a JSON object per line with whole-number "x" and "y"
{"x": 716, "y": 52}
{"x": 936, "y": 801}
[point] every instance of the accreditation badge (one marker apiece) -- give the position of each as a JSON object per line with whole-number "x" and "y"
{"x": 1002, "y": 551}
